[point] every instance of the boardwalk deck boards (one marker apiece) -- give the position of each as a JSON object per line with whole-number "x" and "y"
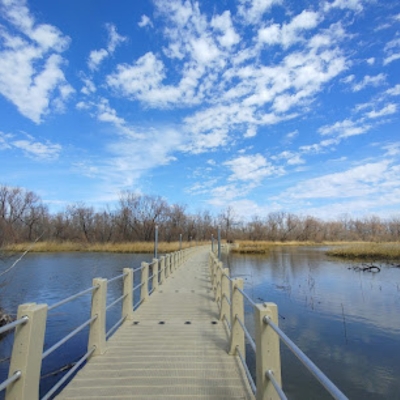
{"x": 174, "y": 348}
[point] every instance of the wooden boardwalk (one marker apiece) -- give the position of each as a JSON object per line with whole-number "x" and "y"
{"x": 174, "y": 348}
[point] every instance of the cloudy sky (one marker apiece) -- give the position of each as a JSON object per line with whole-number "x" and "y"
{"x": 262, "y": 105}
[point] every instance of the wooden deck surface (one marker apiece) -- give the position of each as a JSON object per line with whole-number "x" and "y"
{"x": 175, "y": 348}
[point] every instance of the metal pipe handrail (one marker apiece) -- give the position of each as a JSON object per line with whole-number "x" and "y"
{"x": 151, "y": 291}
{"x": 247, "y": 334}
{"x": 138, "y": 269}
{"x": 138, "y": 286}
{"x": 68, "y": 374}
{"x": 117, "y": 277}
{"x": 249, "y": 299}
{"x": 270, "y": 375}
{"x": 73, "y": 297}
{"x": 318, "y": 374}
{"x": 66, "y": 338}
{"x": 151, "y": 277}
{"x": 136, "y": 306}
{"x": 116, "y": 301}
{"x": 115, "y": 326}
{"x": 23, "y": 320}
{"x": 14, "y": 377}
{"x": 227, "y": 299}
{"x": 247, "y": 371}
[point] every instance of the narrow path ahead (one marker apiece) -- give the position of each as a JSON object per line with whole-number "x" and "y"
{"x": 175, "y": 348}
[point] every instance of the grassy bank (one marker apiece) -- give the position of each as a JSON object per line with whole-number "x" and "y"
{"x": 130, "y": 247}
{"x": 367, "y": 251}
{"x": 264, "y": 247}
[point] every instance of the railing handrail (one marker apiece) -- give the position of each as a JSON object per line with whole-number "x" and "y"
{"x": 14, "y": 377}
{"x": 318, "y": 374}
{"x": 73, "y": 297}
{"x": 14, "y": 324}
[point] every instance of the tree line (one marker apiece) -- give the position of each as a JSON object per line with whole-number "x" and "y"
{"x": 24, "y": 217}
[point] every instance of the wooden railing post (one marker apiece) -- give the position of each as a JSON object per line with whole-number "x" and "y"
{"x": 127, "y": 303}
{"x": 237, "y": 312}
{"x": 162, "y": 267}
{"x": 144, "y": 290}
{"x": 155, "y": 274}
{"x": 97, "y": 332}
{"x": 27, "y": 352}
{"x": 267, "y": 351}
{"x": 225, "y": 296}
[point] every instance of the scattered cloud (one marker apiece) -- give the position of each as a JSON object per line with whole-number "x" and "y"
{"x": 96, "y": 57}
{"x": 251, "y": 168}
{"x": 145, "y": 21}
{"x": 31, "y": 147}
{"x": 31, "y": 75}
{"x": 374, "y": 81}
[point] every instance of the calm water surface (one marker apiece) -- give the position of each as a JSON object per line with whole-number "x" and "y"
{"x": 347, "y": 322}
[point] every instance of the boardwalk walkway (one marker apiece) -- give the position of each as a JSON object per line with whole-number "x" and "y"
{"x": 175, "y": 348}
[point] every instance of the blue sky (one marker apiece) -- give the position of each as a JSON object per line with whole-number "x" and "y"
{"x": 261, "y": 105}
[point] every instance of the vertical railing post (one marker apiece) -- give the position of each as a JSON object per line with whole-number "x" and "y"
{"x": 237, "y": 312}
{"x": 144, "y": 290}
{"x": 156, "y": 242}
{"x": 127, "y": 303}
{"x": 219, "y": 243}
{"x": 267, "y": 351}
{"x": 218, "y": 282}
{"x": 162, "y": 269}
{"x": 27, "y": 352}
{"x": 155, "y": 274}
{"x": 167, "y": 262}
{"x": 225, "y": 295}
{"x": 97, "y": 332}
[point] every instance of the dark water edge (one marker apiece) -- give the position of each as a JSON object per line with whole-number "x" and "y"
{"x": 347, "y": 322}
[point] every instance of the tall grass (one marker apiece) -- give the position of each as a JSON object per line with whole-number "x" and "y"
{"x": 126, "y": 247}
{"x": 368, "y": 251}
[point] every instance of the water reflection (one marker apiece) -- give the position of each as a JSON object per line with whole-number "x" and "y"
{"x": 347, "y": 322}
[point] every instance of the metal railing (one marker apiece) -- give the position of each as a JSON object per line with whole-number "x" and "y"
{"x": 230, "y": 297}
{"x": 23, "y": 382}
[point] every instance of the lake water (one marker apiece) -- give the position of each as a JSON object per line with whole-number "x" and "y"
{"x": 347, "y": 322}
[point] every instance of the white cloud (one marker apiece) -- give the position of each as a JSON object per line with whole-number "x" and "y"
{"x": 288, "y": 34}
{"x": 223, "y": 24}
{"x": 96, "y": 57}
{"x": 31, "y": 75}
{"x": 42, "y": 151}
{"x": 359, "y": 181}
{"x": 386, "y": 110}
{"x": 371, "y": 61}
{"x": 394, "y": 91}
{"x": 368, "y": 80}
{"x": 345, "y": 128}
{"x": 252, "y": 11}
{"x": 356, "y": 5}
{"x": 251, "y": 168}
{"x": 290, "y": 157}
{"x": 145, "y": 21}
{"x": 392, "y": 50}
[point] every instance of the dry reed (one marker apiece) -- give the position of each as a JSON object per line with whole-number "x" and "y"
{"x": 67, "y": 246}
{"x": 368, "y": 251}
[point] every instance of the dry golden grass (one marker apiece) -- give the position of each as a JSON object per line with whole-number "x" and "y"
{"x": 129, "y": 247}
{"x": 368, "y": 251}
